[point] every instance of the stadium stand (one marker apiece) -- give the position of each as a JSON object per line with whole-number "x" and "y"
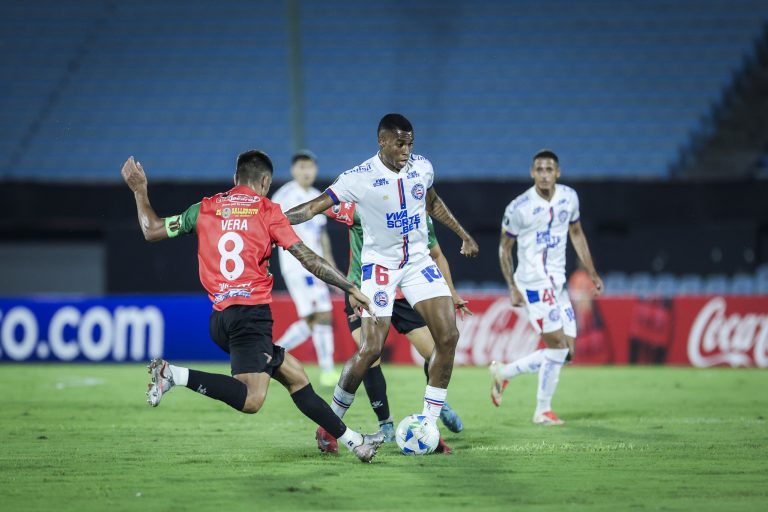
{"x": 614, "y": 87}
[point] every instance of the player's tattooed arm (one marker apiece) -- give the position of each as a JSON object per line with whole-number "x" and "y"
{"x": 305, "y": 211}
{"x": 506, "y": 244}
{"x": 580, "y": 245}
{"x": 152, "y": 226}
{"x": 326, "y": 272}
{"x": 439, "y": 211}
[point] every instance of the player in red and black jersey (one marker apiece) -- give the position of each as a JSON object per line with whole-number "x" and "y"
{"x": 235, "y": 231}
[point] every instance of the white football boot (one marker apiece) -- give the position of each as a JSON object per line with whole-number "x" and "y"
{"x": 162, "y": 381}
{"x": 547, "y": 418}
{"x": 367, "y": 451}
{"x": 498, "y": 383}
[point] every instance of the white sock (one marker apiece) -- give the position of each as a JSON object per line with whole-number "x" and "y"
{"x": 434, "y": 398}
{"x": 322, "y": 336}
{"x": 341, "y": 401}
{"x": 549, "y": 375}
{"x": 180, "y": 375}
{"x": 351, "y": 439}
{"x": 527, "y": 364}
{"x": 295, "y": 335}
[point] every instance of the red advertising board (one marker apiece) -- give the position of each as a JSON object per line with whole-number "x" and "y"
{"x": 697, "y": 331}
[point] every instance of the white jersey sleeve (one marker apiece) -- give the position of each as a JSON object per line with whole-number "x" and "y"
{"x": 575, "y": 213}
{"x": 512, "y": 223}
{"x": 344, "y": 189}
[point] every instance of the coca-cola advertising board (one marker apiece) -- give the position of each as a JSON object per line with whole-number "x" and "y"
{"x": 720, "y": 331}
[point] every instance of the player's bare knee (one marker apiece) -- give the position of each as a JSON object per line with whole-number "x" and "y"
{"x": 253, "y": 402}
{"x": 370, "y": 354}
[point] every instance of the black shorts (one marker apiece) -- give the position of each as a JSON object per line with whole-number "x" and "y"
{"x": 404, "y": 318}
{"x": 245, "y": 333}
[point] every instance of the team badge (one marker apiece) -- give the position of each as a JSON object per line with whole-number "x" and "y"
{"x": 418, "y": 191}
{"x": 226, "y": 212}
{"x": 563, "y": 216}
{"x": 380, "y": 298}
{"x": 554, "y": 315}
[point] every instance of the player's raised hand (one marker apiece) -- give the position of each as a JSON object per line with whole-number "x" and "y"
{"x": 461, "y": 306}
{"x": 516, "y": 297}
{"x": 469, "y": 247}
{"x": 598, "y": 282}
{"x": 133, "y": 174}
{"x": 357, "y": 300}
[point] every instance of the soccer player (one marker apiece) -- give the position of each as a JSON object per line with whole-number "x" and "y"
{"x": 540, "y": 220}
{"x": 235, "y": 232}
{"x": 404, "y": 319}
{"x": 310, "y": 295}
{"x": 393, "y": 191}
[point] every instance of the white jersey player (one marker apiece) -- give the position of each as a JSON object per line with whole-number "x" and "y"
{"x": 393, "y": 192}
{"x": 540, "y": 220}
{"x": 310, "y": 295}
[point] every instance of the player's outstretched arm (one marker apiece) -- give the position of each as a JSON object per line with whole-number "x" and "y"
{"x": 506, "y": 244}
{"x": 438, "y": 210}
{"x": 325, "y": 271}
{"x": 151, "y": 225}
{"x": 442, "y": 264}
{"x": 579, "y": 241}
{"x": 305, "y": 211}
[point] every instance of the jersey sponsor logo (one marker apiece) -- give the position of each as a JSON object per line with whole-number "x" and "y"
{"x": 238, "y": 199}
{"x": 380, "y": 298}
{"x": 412, "y": 174}
{"x": 545, "y": 237}
{"x": 563, "y": 216}
{"x": 417, "y": 157}
{"x": 400, "y": 220}
{"x": 562, "y": 201}
{"x": 538, "y": 209}
{"x": 418, "y": 191}
{"x": 380, "y": 182}
{"x": 360, "y": 168}
{"x": 228, "y": 212}
{"x": 233, "y": 292}
{"x": 554, "y": 315}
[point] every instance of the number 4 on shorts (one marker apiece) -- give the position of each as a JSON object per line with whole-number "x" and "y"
{"x": 548, "y": 297}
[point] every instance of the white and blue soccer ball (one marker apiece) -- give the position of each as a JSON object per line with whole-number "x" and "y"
{"x": 417, "y": 436}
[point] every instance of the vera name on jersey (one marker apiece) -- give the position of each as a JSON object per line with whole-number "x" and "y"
{"x": 402, "y": 221}
{"x": 234, "y": 225}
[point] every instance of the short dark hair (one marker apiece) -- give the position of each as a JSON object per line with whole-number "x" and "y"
{"x": 392, "y": 122}
{"x": 303, "y": 154}
{"x": 251, "y": 165}
{"x": 546, "y": 153}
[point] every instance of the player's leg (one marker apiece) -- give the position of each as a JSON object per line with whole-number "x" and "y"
{"x": 371, "y": 346}
{"x": 374, "y": 382}
{"x": 250, "y": 351}
{"x": 543, "y": 321}
{"x": 300, "y": 330}
{"x": 407, "y": 321}
{"x": 555, "y": 354}
{"x": 379, "y": 284}
{"x": 291, "y": 375}
{"x": 322, "y": 336}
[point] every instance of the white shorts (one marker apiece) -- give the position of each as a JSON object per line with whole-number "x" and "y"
{"x": 549, "y": 309}
{"x": 419, "y": 280}
{"x": 309, "y": 294}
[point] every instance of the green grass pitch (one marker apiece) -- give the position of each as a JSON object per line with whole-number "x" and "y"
{"x": 81, "y": 437}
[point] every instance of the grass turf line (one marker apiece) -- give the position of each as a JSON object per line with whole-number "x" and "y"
{"x": 81, "y": 437}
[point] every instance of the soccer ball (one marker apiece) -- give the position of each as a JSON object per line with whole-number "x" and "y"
{"x": 416, "y": 436}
